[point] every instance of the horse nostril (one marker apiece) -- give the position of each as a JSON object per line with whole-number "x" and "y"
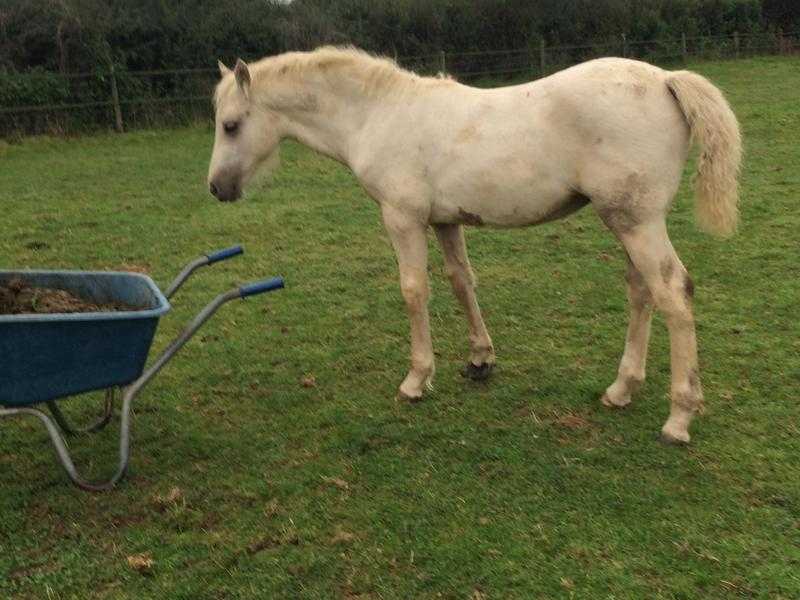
{"x": 213, "y": 189}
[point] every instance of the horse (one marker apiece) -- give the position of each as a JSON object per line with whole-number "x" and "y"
{"x": 432, "y": 152}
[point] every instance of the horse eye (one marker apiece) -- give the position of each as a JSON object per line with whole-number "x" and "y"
{"x": 230, "y": 127}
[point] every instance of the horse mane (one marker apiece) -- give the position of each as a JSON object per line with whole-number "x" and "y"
{"x": 372, "y": 75}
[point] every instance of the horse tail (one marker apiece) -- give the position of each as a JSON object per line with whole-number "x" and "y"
{"x": 714, "y": 126}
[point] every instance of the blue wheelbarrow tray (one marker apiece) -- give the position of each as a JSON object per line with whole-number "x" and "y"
{"x": 49, "y": 356}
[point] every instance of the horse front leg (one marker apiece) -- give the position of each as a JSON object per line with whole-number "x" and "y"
{"x": 481, "y": 352}
{"x": 410, "y": 242}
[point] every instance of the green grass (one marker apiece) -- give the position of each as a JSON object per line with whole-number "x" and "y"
{"x": 522, "y": 488}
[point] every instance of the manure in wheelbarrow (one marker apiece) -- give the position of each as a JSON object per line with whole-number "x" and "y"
{"x": 18, "y": 298}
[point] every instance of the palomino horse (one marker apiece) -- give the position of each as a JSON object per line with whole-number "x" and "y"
{"x": 433, "y": 152}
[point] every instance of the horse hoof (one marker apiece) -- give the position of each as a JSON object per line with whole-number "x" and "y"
{"x": 403, "y": 397}
{"x": 669, "y": 439}
{"x": 606, "y": 401}
{"x": 477, "y": 372}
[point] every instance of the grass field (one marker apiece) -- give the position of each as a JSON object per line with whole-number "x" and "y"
{"x": 245, "y": 483}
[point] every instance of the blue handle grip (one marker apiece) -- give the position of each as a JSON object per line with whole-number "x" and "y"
{"x": 224, "y": 254}
{"x": 259, "y": 287}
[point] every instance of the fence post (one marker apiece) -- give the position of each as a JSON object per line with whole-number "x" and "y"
{"x": 442, "y": 62}
{"x": 532, "y": 60}
{"x": 684, "y": 53}
{"x": 780, "y": 40}
{"x": 736, "y": 43}
{"x": 624, "y": 45}
{"x": 542, "y": 57}
{"x": 115, "y": 102}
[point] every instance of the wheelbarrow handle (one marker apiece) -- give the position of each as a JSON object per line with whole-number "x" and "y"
{"x": 224, "y": 254}
{"x": 202, "y": 261}
{"x": 204, "y": 315}
{"x": 259, "y": 287}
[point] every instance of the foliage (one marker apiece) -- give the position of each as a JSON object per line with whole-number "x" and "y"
{"x": 782, "y": 13}
{"x": 36, "y": 86}
{"x": 86, "y": 35}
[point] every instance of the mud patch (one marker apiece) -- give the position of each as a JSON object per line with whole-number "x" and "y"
{"x": 633, "y": 276}
{"x": 691, "y": 399}
{"x": 134, "y": 268}
{"x": 341, "y": 537}
{"x": 572, "y": 429}
{"x": 18, "y": 298}
{"x": 667, "y": 268}
{"x": 37, "y": 245}
{"x": 572, "y": 421}
{"x": 619, "y": 217}
{"x": 38, "y": 569}
{"x": 141, "y": 563}
{"x": 267, "y": 542}
{"x": 468, "y": 218}
{"x": 467, "y": 135}
{"x": 624, "y": 209}
{"x": 688, "y": 288}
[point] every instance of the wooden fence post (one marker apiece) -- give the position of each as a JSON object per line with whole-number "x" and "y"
{"x": 542, "y": 57}
{"x": 684, "y": 53}
{"x": 115, "y": 102}
{"x": 624, "y": 45}
{"x": 442, "y": 62}
{"x": 780, "y": 40}
{"x": 736, "y": 43}
{"x": 532, "y": 60}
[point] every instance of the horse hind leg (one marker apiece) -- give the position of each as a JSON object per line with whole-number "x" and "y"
{"x": 631, "y": 373}
{"x": 653, "y": 256}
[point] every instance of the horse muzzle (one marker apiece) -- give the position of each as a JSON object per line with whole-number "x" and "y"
{"x": 225, "y": 190}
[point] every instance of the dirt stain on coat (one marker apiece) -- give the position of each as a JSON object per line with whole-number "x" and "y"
{"x": 469, "y": 218}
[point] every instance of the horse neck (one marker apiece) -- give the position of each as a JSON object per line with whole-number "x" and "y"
{"x": 326, "y": 119}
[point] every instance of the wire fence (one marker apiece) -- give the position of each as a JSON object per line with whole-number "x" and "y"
{"x": 121, "y": 99}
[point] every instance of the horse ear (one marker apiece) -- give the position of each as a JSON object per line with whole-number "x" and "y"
{"x": 242, "y": 74}
{"x": 223, "y": 70}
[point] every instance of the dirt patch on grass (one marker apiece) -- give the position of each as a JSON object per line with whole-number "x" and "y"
{"x": 43, "y": 568}
{"x": 269, "y": 542}
{"x": 18, "y": 298}
{"x": 573, "y": 421}
{"x": 341, "y": 537}
{"x": 141, "y": 563}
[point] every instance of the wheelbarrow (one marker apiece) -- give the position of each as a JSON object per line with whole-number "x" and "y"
{"x": 50, "y": 357}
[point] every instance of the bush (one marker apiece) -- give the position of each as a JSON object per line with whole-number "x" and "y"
{"x": 37, "y": 87}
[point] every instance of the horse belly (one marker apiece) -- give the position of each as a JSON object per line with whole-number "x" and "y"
{"x": 498, "y": 204}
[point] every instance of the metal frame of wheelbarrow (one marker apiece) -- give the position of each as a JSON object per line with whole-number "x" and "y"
{"x": 58, "y": 423}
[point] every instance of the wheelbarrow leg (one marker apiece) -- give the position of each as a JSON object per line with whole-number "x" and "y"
{"x": 63, "y": 453}
{"x": 99, "y": 425}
